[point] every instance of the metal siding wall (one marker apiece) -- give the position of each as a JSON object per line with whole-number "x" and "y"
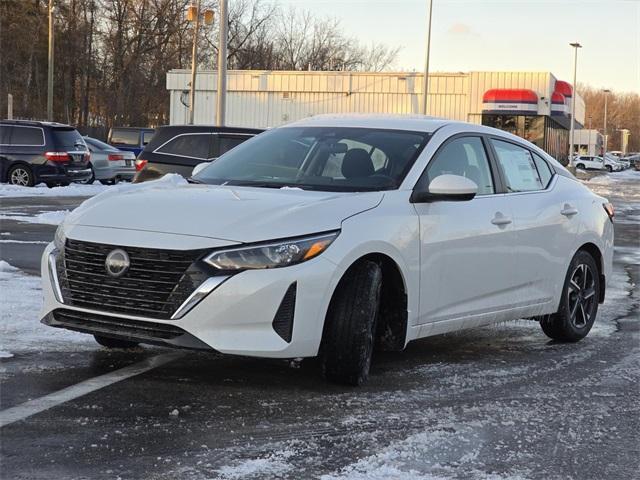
{"x": 257, "y": 98}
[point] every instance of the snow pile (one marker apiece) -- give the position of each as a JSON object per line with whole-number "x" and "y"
{"x": 272, "y": 465}
{"x": 41, "y": 190}
{"x": 20, "y": 327}
{"x": 49, "y": 218}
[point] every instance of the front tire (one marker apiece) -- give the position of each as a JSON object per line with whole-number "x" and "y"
{"x": 609, "y": 168}
{"x": 21, "y": 176}
{"x": 580, "y": 166}
{"x": 579, "y": 304}
{"x": 114, "y": 342}
{"x": 348, "y": 337}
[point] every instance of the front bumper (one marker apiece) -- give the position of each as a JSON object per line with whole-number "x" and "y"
{"x": 237, "y": 317}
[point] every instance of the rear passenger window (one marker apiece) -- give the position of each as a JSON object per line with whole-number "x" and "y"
{"x": 227, "y": 143}
{"x": 520, "y": 172}
{"x": 27, "y": 136}
{"x": 5, "y": 133}
{"x": 190, "y": 145}
{"x": 543, "y": 170}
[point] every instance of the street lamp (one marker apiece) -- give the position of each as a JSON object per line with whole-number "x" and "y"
{"x": 193, "y": 15}
{"x": 575, "y": 46}
{"x": 425, "y": 80}
{"x": 606, "y": 92}
{"x": 50, "y": 66}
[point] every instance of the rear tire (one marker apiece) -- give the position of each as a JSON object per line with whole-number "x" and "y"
{"x": 348, "y": 337}
{"x": 21, "y": 175}
{"x": 580, "y": 166}
{"x": 114, "y": 342}
{"x": 579, "y": 304}
{"x": 609, "y": 168}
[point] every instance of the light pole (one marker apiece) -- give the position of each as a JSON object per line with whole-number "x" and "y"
{"x": 50, "y": 68}
{"x": 575, "y": 46}
{"x": 193, "y": 15}
{"x": 425, "y": 80}
{"x": 221, "y": 105}
{"x": 606, "y": 92}
{"x": 194, "y": 54}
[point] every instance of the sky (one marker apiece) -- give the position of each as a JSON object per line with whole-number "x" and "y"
{"x": 511, "y": 35}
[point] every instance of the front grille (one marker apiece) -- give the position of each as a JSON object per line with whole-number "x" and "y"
{"x": 155, "y": 285}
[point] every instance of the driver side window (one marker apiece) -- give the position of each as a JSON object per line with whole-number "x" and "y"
{"x": 466, "y": 157}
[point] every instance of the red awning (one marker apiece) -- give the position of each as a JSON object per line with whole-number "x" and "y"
{"x": 557, "y": 97}
{"x": 564, "y": 88}
{"x": 511, "y": 95}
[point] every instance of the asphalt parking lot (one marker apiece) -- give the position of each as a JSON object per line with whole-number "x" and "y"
{"x": 494, "y": 403}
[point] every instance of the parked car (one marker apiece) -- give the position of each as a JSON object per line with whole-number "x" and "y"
{"x": 109, "y": 164}
{"x": 179, "y": 148}
{"x": 633, "y": 160}
{"x": 612, "y": 164}
{"x": 588, "y": 162}
{"x": 334, "y": 236}
{"x": 132, "y": 139}
{"x": 32, "y": 152}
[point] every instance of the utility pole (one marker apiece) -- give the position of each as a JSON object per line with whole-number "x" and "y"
{"x": 425, "y": 80}
{"x": 604, "y": 126}
{"x": 50, "y": 70}
{"x": 194, "y": 61}
{"x": 575, "y": 46}
{"x": 221, "y": 106}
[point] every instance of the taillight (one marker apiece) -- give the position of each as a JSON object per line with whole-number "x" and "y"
{"x": 140, "y": 163}
{"x": 609, "y": 209}
{"x": 57, "y": 156}
{"x": 87, "y": 156}
{"x": 114, "y": 157}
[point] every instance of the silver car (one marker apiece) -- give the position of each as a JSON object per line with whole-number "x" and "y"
{"x": 108, "y": 164}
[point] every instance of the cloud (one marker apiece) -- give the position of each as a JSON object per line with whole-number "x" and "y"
{"x": 461, "y": 29}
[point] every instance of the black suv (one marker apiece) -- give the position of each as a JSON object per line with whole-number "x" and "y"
{"x": 179, "y": 148}
{"x": 34, "y": 152}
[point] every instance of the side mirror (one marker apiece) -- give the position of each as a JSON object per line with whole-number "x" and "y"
{"x": 198, "y": 168}
{"x": 452, "y": 188}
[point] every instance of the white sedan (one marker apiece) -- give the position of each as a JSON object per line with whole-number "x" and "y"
{"x": 336, "y": 236}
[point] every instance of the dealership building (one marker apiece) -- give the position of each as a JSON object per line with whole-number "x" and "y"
{"x": 533, "y": 105}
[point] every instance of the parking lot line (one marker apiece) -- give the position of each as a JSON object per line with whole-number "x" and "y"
{"x": 27, "y": 409}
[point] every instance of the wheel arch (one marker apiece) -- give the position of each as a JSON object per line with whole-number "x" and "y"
{"x": 595, "y": 252}
{"x": 393, "y": 313}
{"x": 16, "y": 163}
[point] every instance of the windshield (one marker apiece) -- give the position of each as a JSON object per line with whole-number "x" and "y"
{"x": 319, "y": 158}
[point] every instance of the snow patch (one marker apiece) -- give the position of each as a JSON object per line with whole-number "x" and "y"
{"x": 271, "y": 465}
{"x": 55, "y": 217}
{"x": 41, "y": 190}
{"x": 20, "y": 327}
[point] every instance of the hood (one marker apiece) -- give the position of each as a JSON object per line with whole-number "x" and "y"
{"x": 237, "y": 214}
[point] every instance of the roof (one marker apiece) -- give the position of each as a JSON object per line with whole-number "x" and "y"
{"x": 419, "y": 123}
{"x": 35, "y": 123}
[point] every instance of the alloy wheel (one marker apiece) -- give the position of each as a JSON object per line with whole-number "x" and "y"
{"x": 19, "y": 176}
{"x": 582, "y": 295}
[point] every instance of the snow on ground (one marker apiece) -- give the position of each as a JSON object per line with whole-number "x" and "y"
{"x": 41, "y": 190}
{"x": 271, "y": 466}
{"x": 47, "y": 217}
{"x": 20, "y": 327}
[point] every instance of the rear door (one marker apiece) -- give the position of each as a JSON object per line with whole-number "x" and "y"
{"x": 544, "y": 221}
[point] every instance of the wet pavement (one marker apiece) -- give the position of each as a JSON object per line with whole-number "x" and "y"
{"x": 501, "y": 402}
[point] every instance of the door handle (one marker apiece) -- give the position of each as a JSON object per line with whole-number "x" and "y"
{"x": 500, "y": 220}
{"x": 568, "y": 210}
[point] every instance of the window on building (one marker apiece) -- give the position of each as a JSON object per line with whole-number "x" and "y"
{"x": 520, "y": 172}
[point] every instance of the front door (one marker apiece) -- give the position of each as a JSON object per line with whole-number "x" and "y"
{"x": 467, "y": 255}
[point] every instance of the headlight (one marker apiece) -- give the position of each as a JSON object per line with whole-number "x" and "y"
{"x": 271, "y": 255}
{"x": 60, "y": 238}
